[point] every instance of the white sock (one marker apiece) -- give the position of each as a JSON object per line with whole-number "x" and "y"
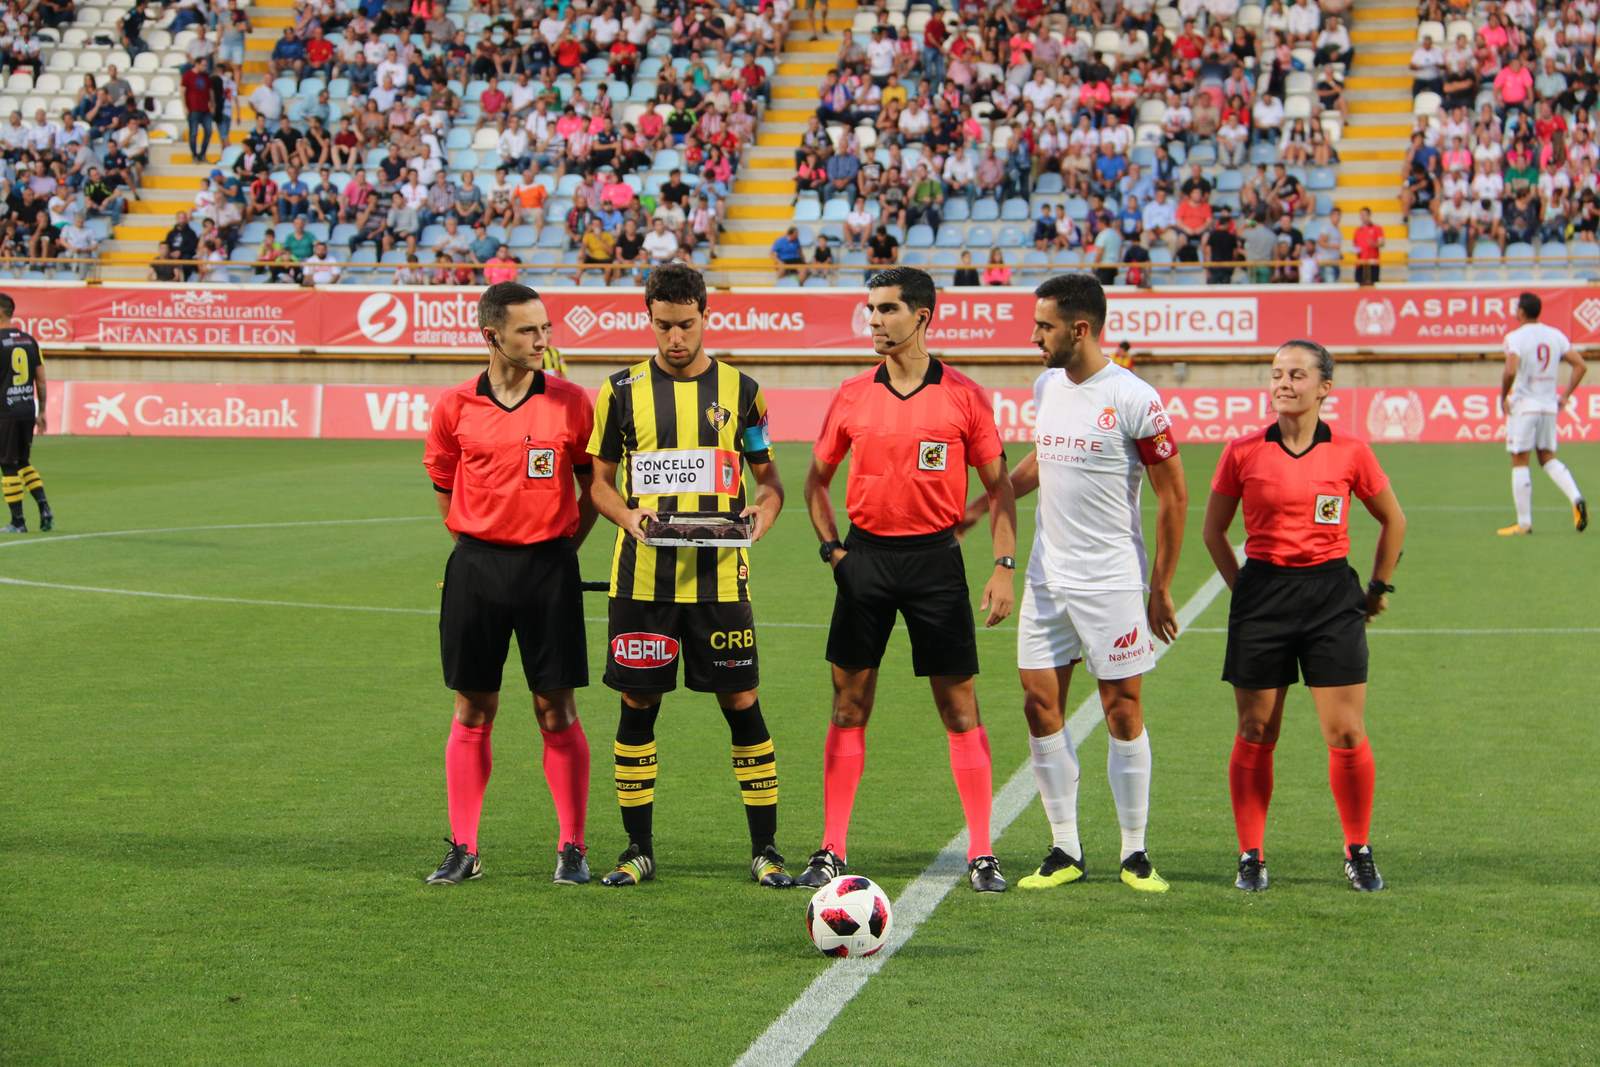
{"x": 1055, "y": 768}
{"x": 1559, "y": 474}
{"x": 1522, "y": 494}
{"x": 1128, "y": 767}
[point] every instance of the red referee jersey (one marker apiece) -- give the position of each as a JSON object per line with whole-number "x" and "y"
{"x": 908, "y": 454}
{"x": 509, "y": 469}
{"x": 1295, "y": 506}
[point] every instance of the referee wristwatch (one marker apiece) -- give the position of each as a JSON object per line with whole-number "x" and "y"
{"x": 828, "y": 548}
{"x": 1008, "y": 562}
{"x": 1377, "y": 588}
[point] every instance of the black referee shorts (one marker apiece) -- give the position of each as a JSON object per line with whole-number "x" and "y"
{"x": 922, "y": 578}
{"x": 16, "y": 442}
{"x": 492, "y": 591}
{"x": 1284, "y": 618}
{"x": 715, "y": 639}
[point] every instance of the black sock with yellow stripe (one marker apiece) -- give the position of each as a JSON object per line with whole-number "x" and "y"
{"x": 634, "y": 753}
{"x": 11, "y": 490}
{"x": 35, "y": 485}
{"x": 755, "y": 768}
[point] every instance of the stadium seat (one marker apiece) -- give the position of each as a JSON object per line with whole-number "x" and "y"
{"x": 1419, "y": 256}
{"x": 1016, "y": 210}
{"x": 957, "y": 210}
{"x": 980, "y": 237}
{"x": 1452, "y": 264}
{"x": 1203, "y": 153}
{"x": 1422, "y": 228}
{"x": 920, "y": 236}
{"x": 1012, "y": 237}
{"x": 950, "y": 236}
{"x": 985, "y": 210}
{"x": 1519, "y": 262}
{"x": 807, "y": 210}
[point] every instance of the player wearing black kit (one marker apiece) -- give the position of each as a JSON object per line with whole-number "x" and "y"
{"x": 21, "y": 415}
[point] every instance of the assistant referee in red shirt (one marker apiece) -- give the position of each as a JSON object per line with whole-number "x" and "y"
{"x": 507, "y": 456}
{"x": 912, "y": 427}
{"x": 1298, "y": 607}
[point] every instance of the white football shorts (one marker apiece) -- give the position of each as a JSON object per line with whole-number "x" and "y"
{"x": 1106, "y": 629}
{"x": 1535, "y": 430}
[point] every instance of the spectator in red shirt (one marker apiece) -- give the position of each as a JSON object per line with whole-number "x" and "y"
{"x": 1369, "y": 242}
{"x": 507, "y": 455}
{"x": 319, "y": 53}
{"x": 197, "y": 102}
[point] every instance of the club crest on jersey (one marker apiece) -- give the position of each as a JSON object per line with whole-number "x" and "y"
{"x": 541, "y": 463}
{"x": 1330, "y": 509}
{"x": 1107, "y": 419}
{"x": 1162, "y": 446}
{"x": 717, "y": 416}
{"x": 932, "y": 455}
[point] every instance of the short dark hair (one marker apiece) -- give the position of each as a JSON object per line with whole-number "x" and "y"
{"x": 8, "y": 306}
{"x": 916, "y": 286}
{"x": 1530, "y": 305}
{"x": 1323, "y": 357}
{"x": 676, "y": 283}
{"x": 497, "y": 298}
{"x": 1077, "y": 294}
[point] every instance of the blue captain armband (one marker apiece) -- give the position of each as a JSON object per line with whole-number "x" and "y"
{"x": 756, "y": 438}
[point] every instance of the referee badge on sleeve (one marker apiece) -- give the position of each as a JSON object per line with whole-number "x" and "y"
{"x": 932, "y": 455}
{"x": 1330, "y": 509}
{"x": 541, "y": 463}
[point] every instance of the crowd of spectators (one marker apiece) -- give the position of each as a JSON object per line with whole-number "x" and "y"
{"x": 1504, "y": 153}
{"x": 620, "y": 127}
{"x": 65, "y": 179}
{"x": 1098, "y": 104}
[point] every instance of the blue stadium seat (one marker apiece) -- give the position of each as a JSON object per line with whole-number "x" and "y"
{"x": 339, "y": 89}
{"x": 431, "y": 235}
{"x": 914, "y": 257}
{"x": 1077, "y": 209}
{"x": 666, "y": 160}
{"x": 1419, "y": 251}
{"x": 957, "y": 210}
{"x": 568, "y": 183}
{"x": 1049, "y": 184}
{"x": 980, "y": 237}
{"x": 853, "y": 257}
{"x": 1016, "y": 210}
{"x": 318, "y": 230}
{"x": 252, "y": 232}
{"x": 521, "y": 236}
{"x": 1526, "y": 269}
{"x": 376, "y": 156}
{"x": 1553, "y": 261}
{"x": 945, "y": 257}
{"x": 950, "y": 236}
{"x": 1453, "y": 265}
{"x": 459, "y": 137}
{"x": 920, "y": 236}
{"x": 835, "y": 210}
{"x": 1422, "y": 228}
{"x": 1012, "y": 237}
{"x": 1203, "y": 153}
{"x": 1144, "y": 155}
{"x": 1230, "y": 181}
{"x": 788, "y": 281}
{"x": 1263, "y": 152}
{"x": 553, "y": 236}
{"x": 808, "y": 211}
{"x": 985, "y": 210}
{"x": 1321, "y": 179}
{"x": 342, "y": 234}
{"x": 310, "y": 87}
{"x": 1034, "y": 257}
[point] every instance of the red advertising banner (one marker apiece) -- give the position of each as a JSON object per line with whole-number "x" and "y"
{"x": 987, "y": 321}
{"x": 1391, "y": 415}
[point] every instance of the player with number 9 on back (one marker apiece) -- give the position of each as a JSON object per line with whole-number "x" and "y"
{"x": 506, "y": 456}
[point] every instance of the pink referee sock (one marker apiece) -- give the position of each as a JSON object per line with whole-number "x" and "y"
{"x": 467, "y": 760}
{"x": 844, "y": 757}
{"x": 1351, "y": 773}
{"x": 971, "y": 766}
{"x": 566, "y": 771}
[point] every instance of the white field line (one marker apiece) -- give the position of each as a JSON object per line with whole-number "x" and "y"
{"x": 798, "y": 1028}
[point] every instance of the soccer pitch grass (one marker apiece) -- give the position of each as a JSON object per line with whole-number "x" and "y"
{"x": 219, "y": 813}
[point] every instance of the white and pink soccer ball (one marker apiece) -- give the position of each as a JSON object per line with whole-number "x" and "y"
{"x": 849, "y": 917}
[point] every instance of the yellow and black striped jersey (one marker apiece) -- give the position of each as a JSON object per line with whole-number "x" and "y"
{"x": 682, "y": 445}
{"x": 20, "y": 371}
{"x": 553, "y": 363}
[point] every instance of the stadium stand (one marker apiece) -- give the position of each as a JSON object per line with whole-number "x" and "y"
{"x": 1499, "y": 180}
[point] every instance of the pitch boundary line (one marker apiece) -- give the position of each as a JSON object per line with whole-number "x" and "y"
{"x": 793, "y": 1033}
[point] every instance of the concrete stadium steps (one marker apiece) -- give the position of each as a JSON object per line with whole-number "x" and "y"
{"x": 763, "y": 200}
{"x": 1378, "y": 92}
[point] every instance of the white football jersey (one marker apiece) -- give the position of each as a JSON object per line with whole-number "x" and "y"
{"x": 1537, "y": 349}
{"x": 1094, "y": 441}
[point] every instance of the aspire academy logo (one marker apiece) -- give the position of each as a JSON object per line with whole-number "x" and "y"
{"x": 1588, "y": 314}
{"x": 580, "y": 320}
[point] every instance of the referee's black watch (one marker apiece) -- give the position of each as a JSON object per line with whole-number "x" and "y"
{"x": 1377, "y": 588}
{"x": 828, "y": 548}
{"x": 1008, "y": 562}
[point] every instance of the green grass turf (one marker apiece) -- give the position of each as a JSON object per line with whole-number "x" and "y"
{"x": 217, "y": 816}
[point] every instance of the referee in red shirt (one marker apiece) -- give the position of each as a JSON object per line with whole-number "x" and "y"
{"x": 1298, "y": 607}
{"x": 507, "y": 456}
{"x": 912, "y": 427}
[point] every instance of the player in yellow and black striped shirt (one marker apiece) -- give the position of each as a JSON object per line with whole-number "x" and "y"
{"x": 683, "y": 428}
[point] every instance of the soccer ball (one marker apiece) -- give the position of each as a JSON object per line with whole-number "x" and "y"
{"x": 848, "y": 917}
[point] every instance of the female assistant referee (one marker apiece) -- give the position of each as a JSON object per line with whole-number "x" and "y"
{"x": 1297, "y": 602}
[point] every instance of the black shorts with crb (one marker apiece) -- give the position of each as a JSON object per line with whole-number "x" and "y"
{"x": 16, "y": 442}
{"x": 715, "y": 640}
{"x": 1288, "y": 622}
{"x": 922, "y": 578}
{"x": 493, "y": 591}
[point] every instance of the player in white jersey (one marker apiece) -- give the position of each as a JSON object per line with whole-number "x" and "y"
{"x": 1528, "y": 393}
{"x": 1100, "y": 430}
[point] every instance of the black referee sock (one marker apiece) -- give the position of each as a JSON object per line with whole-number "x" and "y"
{"x": 11, "y": 490}
{"x": 634, "y": 753}
{"x": 34, "y": 485}
{"x": 755, "y": 768}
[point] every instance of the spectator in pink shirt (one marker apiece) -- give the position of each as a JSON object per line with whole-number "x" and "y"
{"x": 1513, "y": 87}
{"x": 501, "y": 268}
